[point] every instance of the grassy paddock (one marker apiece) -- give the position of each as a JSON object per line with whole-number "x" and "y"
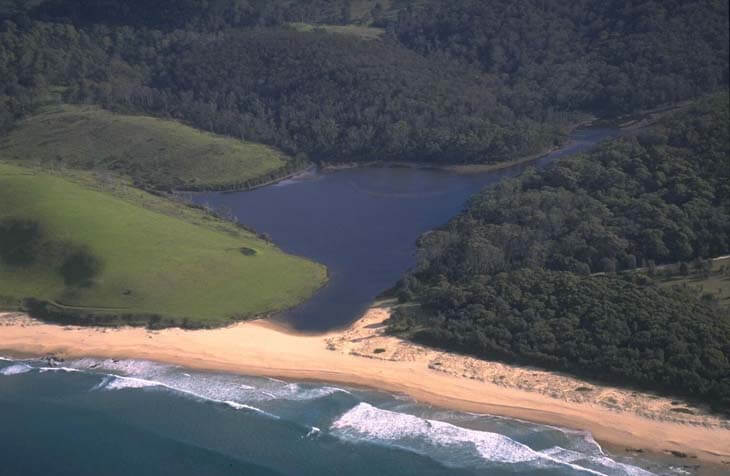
{"x": 362, "y": 32}
{"x": 160, "y": 261}
{"x": 154, "y": 152}
{"x": 716, "y": 281}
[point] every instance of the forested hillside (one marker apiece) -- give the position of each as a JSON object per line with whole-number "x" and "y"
{"x": 327, "y": 96}
{"x": 334, "y": 96}
{"x": 528, "y": 272}
{"x": 469, "y": 81}
{"x": 209, "y": 15}
{"x": 609, "y": 57}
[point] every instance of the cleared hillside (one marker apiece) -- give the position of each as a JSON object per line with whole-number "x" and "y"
{"x": 100, "y": 258}
{"x": 155, "y": 153}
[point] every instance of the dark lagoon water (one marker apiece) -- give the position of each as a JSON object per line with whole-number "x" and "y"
{"x": 363, "y": 224}
{"x": 103, "y": 417}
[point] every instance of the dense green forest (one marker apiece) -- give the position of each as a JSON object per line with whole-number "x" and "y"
{"x": 321, "y": 95}
{"x": 609, "y": 57}
{"x": 204, "y": 14}
{"x": 528, "y": 272}
{"x": 470, "y": 81}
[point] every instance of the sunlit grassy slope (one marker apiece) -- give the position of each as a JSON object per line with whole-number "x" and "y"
{"x": 155, "y": 152}
{"x": 189, "y": 266}
{"x": 715, "y": 282}
{"x": 359, "y": 31}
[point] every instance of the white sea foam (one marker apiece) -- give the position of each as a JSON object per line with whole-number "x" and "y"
{"x": 581, "y": 441}
{"x": 362, "y": 422}
{"x": 453, "y": 445}
{"x": 445, "y": 442}
{"x": 314, "y": 431}
{"x": 134, "y": 368}
{"x": 373, "y": 423}
{"x": 16, "y": 369}
{"x": 208, "y": 386}
{"x": 676, "y": 470}
{"x": 243, "y": 406}
{"x": 320, "y": 392}
{"x": 291, "y": 391}
{"x": 295, "y": 392}
{"x": 401, "y": 397}
{"x": 58, "y": 369}
{"x": 598, "y": 462}
{"x": 236, "y": 405}
{"x": 117, "y": 382}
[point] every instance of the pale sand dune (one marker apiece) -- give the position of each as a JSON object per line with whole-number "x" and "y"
{"x": 620, "y": 417}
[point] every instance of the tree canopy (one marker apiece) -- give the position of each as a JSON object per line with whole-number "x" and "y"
{"x": 609, "y": 57}
{"x": 528, "y": 271}
{"x": 468, "y": 82}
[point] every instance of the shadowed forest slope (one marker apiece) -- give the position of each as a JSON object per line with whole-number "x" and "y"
{"x": 471, "y": 81}
{"x": 531, "y": 270}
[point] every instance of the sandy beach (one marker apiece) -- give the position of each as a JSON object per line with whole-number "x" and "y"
{"x": 363, "y": 356}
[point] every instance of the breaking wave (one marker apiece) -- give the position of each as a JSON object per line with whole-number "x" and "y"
{"x": 294, "y": 391}
{"x": 16, "y": 369}
{"x": 219, "y": 387}
{"x": 116, "y": 382}
{"x": 313, "y": 432}
{"x": 456, "y": 446}
{"x": 446, "y": 437}
{"x": 57, "y": 369}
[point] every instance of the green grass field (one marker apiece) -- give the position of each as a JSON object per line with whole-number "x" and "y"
{"x": 715, "y": 282}
{"x": 362, "y": 32}
{"x": 157, "y": 257}
{"x": 154, "y": 152}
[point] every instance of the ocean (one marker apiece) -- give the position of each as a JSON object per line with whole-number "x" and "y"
{"x": 126, "y": 417}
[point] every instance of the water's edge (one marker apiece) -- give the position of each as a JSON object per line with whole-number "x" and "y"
{"x": 363, "y": 223}
{"x": 402, "y": 434}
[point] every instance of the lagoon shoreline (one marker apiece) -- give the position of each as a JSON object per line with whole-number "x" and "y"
{"x": 363, "y": 355}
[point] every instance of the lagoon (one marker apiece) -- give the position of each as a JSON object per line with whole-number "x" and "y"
{"x": 363, "y": 223}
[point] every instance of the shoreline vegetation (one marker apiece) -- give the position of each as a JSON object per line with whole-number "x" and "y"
{"x": 459, "y": 169}
{"x": 466, "y": 168}
{"x": 627, "y": 124}
{"x": 364, "y": 355}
